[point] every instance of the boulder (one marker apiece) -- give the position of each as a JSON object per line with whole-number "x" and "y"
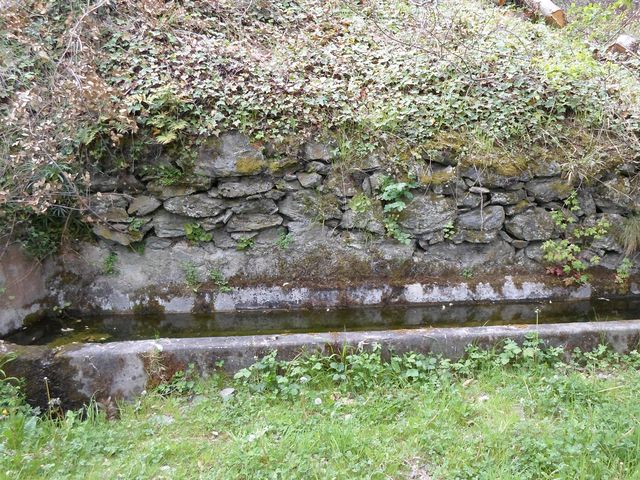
{"x": 476, "y": 236}
{"x": 143, "y": 205}
{"x": 508, "y": 197}
{"x": 340, "y": 185}
{"x": 367, "y": 220}
{"x": 270, "y": 236}
{"x": 309, "y": 180}
{"x": 318, "y": 167}
{"x": 549, "y": 189}
{"x": 447, "y": 156}
{"x": 392, "y": 250}
{"x": 490, "y": 179}
{"x": 289, "y": 184}
{"x": 274, "y": 194}
{"x": 163, "y": 192}
{"x": 545, "y": 168}
{"x": 199, "y": 205}
{"x": 587, "y": 205}
{"x": 534, "y": 252}
{"x": 313, "y": 150}
{"x": 251, "y": 222}
{"x": 520, "y": 207}
{"x": 100, "y": 203}
{"x": 371, "y": 162}
{"x": 230, "y": 155}
{"x": 431, "y": 239}
{"x": 122, "y": 236}
{"x": 168, "y": 225}
{"x": 116, "y": 215}
{"x": 307, "y": 205}
{"x": 428, "y": 213}
{"x": 488, "y": 218}
{"x": 616, "y": 195}
{"x": 465, "y": 199}
{"x": 222, "y": 239}
{"x": 534, "y": 224}
{"x": 372, "y": 185}
{"x": 293, "y": 205}
{"x": 155, "y": 243}
{"x": 101, "y": 182}
{"x": 447, "y": 256}
{"x": 520, "y": 243}
{"x": 244, "y": 187}
{"x": 609, "y": 241}
{"x": 261, "y": 205}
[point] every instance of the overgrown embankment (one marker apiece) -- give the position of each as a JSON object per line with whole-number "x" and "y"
{"x": 125, "y": 89}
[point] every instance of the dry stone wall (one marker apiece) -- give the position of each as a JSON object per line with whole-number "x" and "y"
{"x": 461, "y": 217}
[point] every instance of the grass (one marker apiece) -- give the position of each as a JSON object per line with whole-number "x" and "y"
{"x": 628, "y": 234}
{"x": 516, "y": 413}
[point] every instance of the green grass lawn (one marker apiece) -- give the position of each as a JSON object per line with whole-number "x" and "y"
{"x": 513, "y": 413}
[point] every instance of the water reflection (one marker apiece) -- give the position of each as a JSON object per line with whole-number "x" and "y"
{"x": 108, "y": 328}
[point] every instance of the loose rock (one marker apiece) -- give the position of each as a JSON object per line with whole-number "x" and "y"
{"x": 252, "y": 222}
{"x": 535, "y": 224}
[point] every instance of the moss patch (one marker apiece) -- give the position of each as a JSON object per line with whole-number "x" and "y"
{"x": 250, "y": 165}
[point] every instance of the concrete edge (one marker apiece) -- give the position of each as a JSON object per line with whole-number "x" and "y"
{"x": 122, "y": 370}
{"x": 509, "y": 288}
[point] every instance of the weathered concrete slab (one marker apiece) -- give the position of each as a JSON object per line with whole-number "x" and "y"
{"x": 23, "y": 290}
{"x": 122, "y": 370}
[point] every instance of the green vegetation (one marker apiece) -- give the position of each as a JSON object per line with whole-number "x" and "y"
{"x": 628, "y": 234}
{"x": 109, "y": 264}
{"x": 566, "y": 254}
{"x": 623, "y": 272}
{"x": 284, "y": 240}
{"x": 115, "y": 88}
{"x": 449, "y": 231}
{"x": 196, "y": 233}
{"x": 360, "y": 203}
{"x": 135, "y": 224}
{"x": 138, "y": 247}
{"x": 467, "y": 272}
{"x": 191, "y": 276}
{"x": 216, "y": 276}
{"x": 519, "y": 412}
{"x": 245, "y": 243}
{"x": 395, "y": 196}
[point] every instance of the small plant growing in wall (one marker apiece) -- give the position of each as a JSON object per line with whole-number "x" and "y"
{"x": 191, "y": 276}
{"x": 109, "y": 264}
{"x": 245, "y": 244}
{"x": 284, "y": 240}
{"x": 195, "y": 233}
{"x": 467, "y": 272}
{"x": 449, "y": 231}
{"x": 564, "y": 254}
{"x": 135, "y": 224}
{"x": 395, "y": 196}
{"x": 138, "y": 247}
{"x": 216, "y": 276}
{"x": 360, "y": 203}
{"x": 623, "y": 272}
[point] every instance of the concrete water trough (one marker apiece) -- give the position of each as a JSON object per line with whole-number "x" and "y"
{"x": 76, "y": 373}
